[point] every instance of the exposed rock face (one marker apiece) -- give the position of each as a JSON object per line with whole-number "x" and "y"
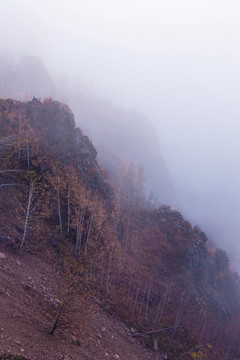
{"x": 206, "y": 275}
{"x": 201, "y": 263}
{"x": 59, "y": 135}
{"x": 202, "y": 272}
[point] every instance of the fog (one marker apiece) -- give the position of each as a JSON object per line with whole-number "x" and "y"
{"x": 177, "y": 62}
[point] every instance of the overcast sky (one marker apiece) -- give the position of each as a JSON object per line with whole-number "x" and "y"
{"x": 175, "y": 60}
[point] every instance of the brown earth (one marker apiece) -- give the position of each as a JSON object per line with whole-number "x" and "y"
{"x": 28, "y": 291}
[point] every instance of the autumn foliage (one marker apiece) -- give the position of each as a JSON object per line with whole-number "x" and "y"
{"x": 146, "y": 264}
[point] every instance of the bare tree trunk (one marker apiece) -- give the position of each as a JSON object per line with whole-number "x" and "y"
{"x": 28, "y": 155}
{"x": 202, "y": 333}
{"x": 146, "y": 312}
{"x": 227, "y": 352}
{"x": 87, "y": 237}
{"x": 59, "y": 205}
{"x": 135, "y": 239}
{"x": 10, "y": 170}
{"x": 162, "y": 303}
{"x": 69, "y": 209}
{"x": 130, "y": 286}
{"x": 103, "y": 268}
{"x": 152, "y": 309}
{"x": 233, "y": 355}
{"x": 108, "y": 272}
{"x": 30, "y": 195}
{"x": 177, "y": 322}
{"x": 215, "y": 346}
{"x": 81, "y": 215}
{"x": 125, "y": 245}
{"x": 215, "y": 333}
{"x": 187, "y": 352}
{"x": 76, "y": 246}
{"x": 139, "y": 314}
{"x": 158, "y": 309}
{"x": 19, "y": 138}
{"x": 94, "y": 258}
{"x": 136, "y": 297}
{"x": 10, "y": 184}
{"x": 155, "y": 331}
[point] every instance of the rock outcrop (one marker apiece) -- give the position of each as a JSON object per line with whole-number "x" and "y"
{"x": 60, "y": 137}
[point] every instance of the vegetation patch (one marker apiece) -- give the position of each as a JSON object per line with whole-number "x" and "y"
{"x": 12, "y": 357}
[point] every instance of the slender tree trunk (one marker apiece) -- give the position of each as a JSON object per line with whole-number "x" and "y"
{"x": 176, "y": 325}
{"x": 59, "y": 205}
{"x": 202, "y": 332}
{"x": 161, "y": 309}
{"x": 103, "y": 269}
{"x": 227, "y": 352}
{"x": 30, "y": 195}
{"x": 130, "y": 286}
{"x": 12, "y": 184}
{"x": 76, "y": 245}
{"x": 135, "y": 239}
{"x": 125, "y": 245}
{"x": 94, "y": 258}
{"x": 81, "y": 217}
{"x": 146, "y": 312}
{"x": 152, "y": 309}
{"x": 19, "y": 138}
{"x": 69, "y": 209}
{"x": 187, "y": 352}
{"x": 28, "y": 155}
{"x": 87, "y": 237}
{"x": 139, "y": 314}
{"x": 233, "y": 354}
{"x": 136, "y": 297}
{"x": 215, "y": 347}
{"x": 108, "y": 272}
{"x": 158, "y": 309}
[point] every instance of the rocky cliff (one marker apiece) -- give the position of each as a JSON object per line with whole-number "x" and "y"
{"x": 54, "y": 125}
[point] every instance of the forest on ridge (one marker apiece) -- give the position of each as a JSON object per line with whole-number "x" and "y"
{"x": 141, "y": 262}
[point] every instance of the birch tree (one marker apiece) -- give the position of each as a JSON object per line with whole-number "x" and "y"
{"x": 30, "y": 202}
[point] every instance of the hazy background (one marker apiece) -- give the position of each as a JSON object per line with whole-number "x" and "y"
{"x": 177, "y": 61}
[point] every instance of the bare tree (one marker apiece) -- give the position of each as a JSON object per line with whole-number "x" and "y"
{"x": 88, "y": 234}
{"x": 177, "y": 322}
{"x": 28, "y": 210}
{"x": 58, "y": 203}
{"x": 30, "y": 200}
{"x": 68, "y": 207}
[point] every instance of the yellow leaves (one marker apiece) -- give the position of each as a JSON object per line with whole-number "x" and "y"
{"x": 201, "y": 353}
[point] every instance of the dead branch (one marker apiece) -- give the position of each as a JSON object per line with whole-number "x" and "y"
{"x": 156, "y": 331}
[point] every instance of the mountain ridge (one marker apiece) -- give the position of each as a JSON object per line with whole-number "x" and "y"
{"x": 146, "y": 264}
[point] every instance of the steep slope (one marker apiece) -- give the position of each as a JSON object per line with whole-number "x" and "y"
{"x": 114, "y": 250}
{"x": 29, "y": 296}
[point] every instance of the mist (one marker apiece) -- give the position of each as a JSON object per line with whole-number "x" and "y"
{"x": 176, "y": 62}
